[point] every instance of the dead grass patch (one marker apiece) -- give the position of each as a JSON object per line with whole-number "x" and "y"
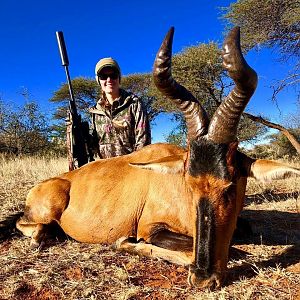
{"x": 263, "y": 266}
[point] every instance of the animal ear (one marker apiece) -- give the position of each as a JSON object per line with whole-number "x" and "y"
{"x": 231, "y": 153}
{"x": 167, "y": 165}
{"x": 267, "y": 170}
{"x": 231, "y": 157}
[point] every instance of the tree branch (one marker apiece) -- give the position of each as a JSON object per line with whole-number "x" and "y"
{"x": 282, "y": 129}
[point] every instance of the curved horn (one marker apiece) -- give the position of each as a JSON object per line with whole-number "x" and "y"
{"x": 195, "y": 115}
{"x": 224, "y": 123}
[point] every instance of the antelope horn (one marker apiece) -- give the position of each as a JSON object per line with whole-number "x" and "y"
{"x": 195, "y": 115}
{"x": 224, "y": 123}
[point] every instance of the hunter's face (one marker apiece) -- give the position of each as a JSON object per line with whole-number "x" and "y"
{"x": 109, "y": 81}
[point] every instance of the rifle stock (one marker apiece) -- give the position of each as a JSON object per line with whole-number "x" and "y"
{"x": 76, "y": 138}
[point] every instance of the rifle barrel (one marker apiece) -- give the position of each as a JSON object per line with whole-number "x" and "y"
{"x": 62, "y": 48}
{"x": 75, "y": 131}
{"x": 65, "y": 63}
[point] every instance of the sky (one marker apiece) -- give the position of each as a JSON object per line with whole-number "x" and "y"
{"x": 129, "y": 31}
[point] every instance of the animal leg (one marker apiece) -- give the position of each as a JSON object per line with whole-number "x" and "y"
{"x": 36, "y": 231}
{"x": 44, "y": 205}
{"x": 146, "y": 249}
{"x": 171, "y": 240}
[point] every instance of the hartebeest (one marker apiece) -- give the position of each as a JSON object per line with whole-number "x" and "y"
{"x": 164, "y": 201}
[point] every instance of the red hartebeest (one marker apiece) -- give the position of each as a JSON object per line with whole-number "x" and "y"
{"x": 164, "y": 201}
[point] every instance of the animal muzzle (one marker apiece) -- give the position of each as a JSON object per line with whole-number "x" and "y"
{"x": 198, "y": 279}
{"x": 202, "y": 271}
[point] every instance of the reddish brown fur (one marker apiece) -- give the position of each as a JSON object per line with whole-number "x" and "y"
{"x": 107, "y": 200}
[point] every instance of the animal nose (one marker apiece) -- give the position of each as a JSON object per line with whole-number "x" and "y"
{"x": 198, "y": 279}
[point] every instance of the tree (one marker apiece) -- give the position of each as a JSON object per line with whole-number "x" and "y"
{"x": 274, "y": 24}
{"x": 277, "y": 147}
{"x": 24, "y": 130}
{"x": 86, "y": 92}
{"x": 178, "y": 134}
{"x": 282, "y": 146}
{"x": 287, "y": 133}
{"x": 199, "y": 69}
{"x": 140, "y": 84}
{"x": 277, "y": 26}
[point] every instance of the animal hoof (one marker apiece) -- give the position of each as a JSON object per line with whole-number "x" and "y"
{"x": 119, "y": 242}
{"x": 212, "y": 282}
{"x": 34, "y": 245}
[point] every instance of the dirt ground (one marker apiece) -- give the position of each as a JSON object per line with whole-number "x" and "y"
{"x": 264, "y": 265}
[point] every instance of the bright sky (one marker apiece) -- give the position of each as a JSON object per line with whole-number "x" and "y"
{"x": 129, "y": 31}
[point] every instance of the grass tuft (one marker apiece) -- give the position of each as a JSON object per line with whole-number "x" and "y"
{"x": 264, "y": 266}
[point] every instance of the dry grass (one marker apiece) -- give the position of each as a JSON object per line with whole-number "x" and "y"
{"x": 264, "y": 266}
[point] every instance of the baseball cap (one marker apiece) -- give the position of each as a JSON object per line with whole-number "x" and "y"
{"x": 107, "y": 62}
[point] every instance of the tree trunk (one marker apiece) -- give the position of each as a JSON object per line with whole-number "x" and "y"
{"x": 283, "y": 130}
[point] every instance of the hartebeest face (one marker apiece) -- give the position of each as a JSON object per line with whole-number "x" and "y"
{"x": 212, "y": 177}
{"x": 211, "y": 171}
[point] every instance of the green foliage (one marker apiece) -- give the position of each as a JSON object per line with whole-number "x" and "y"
{"x": 199, "y": 69}
{"x": 178, "y": 135}
{"x": 24, "y": 130}
{"x": 274, "y": 24}
{"x": 250, "y": 131}
{"x": 282, "y": 146}
{"x": 139, "y": 84}
{"x": 279, "y": 147}
{"x": 86, "y": 92}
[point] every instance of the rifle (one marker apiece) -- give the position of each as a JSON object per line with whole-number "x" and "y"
{"x": 79, "y": 152}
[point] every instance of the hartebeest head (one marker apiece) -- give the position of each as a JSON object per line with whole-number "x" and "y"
{"x": 210, "y": 167}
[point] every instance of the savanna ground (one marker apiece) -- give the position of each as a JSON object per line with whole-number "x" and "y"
{"x": 265, "y": 265}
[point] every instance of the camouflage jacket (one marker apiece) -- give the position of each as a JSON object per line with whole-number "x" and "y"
{"x": 121, "y": 128}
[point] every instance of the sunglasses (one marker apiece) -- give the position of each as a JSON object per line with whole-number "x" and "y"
{"x": 112, "y": 76}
